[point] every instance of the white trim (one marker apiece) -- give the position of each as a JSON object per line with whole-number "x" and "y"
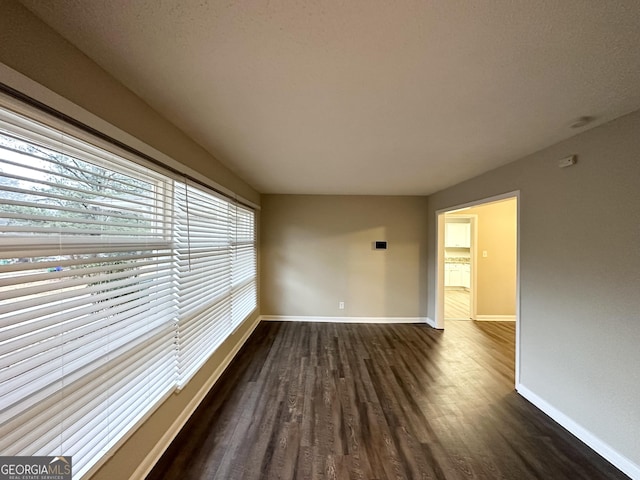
{"x": 33, "y": 89}
{"x": 518, "y": 315}
{"x": 431, "y": 322}
{"x": 439, "y": 272}
{"x": 439, "y": 300}
{"x": 496, "y": 318}
{"x": 482, "y": 201}
{"x": 293, "y": 318}
{"x": 473, "y": 281}
{"x": 156, "y": 452}
{"x": 621, "y": 462}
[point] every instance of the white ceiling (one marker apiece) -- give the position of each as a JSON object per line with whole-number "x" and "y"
{"x": 365, "y": 96}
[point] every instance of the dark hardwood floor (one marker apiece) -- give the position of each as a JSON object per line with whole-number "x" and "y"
{"x": 358, "y": 401}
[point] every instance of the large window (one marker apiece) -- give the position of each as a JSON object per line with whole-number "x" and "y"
{"x": 117, "y": 282}
{"x": 216, "y": 268}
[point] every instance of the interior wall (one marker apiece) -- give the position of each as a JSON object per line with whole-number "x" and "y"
{"x": 31, "y": 48}
{"x": 579, "y": 264}
{"x": 317, "y": 251}
{"x": 496, "y": 227}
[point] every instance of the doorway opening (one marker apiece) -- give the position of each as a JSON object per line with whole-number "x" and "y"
{"x": 477, "y": 270}
{"x": 459, "y": 265}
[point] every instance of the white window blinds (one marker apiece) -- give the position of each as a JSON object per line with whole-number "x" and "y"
{"x": 243, "y": 275}
{"x": 216, "y": 264}
{"x": 115, "y": 287}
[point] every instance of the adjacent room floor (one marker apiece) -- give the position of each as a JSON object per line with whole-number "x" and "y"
{"x": 361, "y": 401}
{"x": 457, "y": 304}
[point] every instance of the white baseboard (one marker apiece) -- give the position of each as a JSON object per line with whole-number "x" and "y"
{"x": 154, "y": 455}
{"x": 431, "y": 322}
{"x": 289, "y": 318}
{"x": 621, "y": 462}
{"x": 495, "y": 318}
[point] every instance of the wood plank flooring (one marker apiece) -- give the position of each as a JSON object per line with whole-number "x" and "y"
{"x": 362, "y": 401}
{"x": 457, "y": 304}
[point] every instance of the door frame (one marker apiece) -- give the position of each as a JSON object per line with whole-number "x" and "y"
{"x": 439, "y": 297}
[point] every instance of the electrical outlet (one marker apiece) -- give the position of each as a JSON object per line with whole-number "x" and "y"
{"x": 341, "y": 305}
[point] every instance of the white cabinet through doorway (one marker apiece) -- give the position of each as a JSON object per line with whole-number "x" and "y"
{"x": 457, "y": 275}
{"x": 457, "y": 235}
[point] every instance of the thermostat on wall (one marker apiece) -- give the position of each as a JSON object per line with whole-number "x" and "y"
{"x": 567, "y": 161}
{"x": 378, "y": 245}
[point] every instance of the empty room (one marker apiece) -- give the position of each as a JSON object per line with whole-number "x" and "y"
{"x": 319, "y": 240}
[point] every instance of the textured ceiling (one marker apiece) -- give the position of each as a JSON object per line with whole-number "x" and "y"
{"x": 365, "y": 96}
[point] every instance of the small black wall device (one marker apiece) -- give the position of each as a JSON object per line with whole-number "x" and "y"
{"x": 380, "y": 245}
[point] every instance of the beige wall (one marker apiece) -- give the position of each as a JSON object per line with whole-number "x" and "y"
{"x": 579, "y": 264}
{"x": 317, "y": 251}
{"x": 496, "y": 226}
{"x": 34, "y": 50}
